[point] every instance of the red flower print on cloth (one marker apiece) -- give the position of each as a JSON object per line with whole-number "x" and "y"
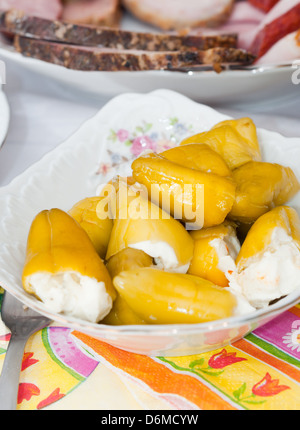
{"x": 223, "y": 359}
{"x": 5, "y": 337}
{"x": 268, "y": 387}
{"x": 54, "y": 396}
{"x": 26, "y": 391}
{"x": 28, "y": 361}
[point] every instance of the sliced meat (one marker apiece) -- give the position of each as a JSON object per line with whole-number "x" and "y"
{"x": 287, "y": 50}
{"x": 104, "y": 59}
{"x": 178, "y": 14}
{"x": 282, "y": 20}
{"x": 243, "y": 20}
{"x": 264, "y": 5}
{"x": 245, "y": 12}
{"x": 17, "y": 22}
{"x": 41, "y": 8}
{"x": 96, "y": 12}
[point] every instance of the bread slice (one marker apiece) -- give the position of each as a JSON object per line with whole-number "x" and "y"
{"x": 106, "y": 59}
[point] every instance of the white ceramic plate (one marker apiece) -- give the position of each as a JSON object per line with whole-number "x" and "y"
{"x": 102, "y": 147}
{"x": 4, "y": 116}
{"x": 259, "y": 86}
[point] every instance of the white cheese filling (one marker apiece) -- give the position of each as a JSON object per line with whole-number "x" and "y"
{"x": 72, "y": 294}
{"x": 163, "y": 254}
{"x": 269, "y": 276}
{"x": 227, "y": 250}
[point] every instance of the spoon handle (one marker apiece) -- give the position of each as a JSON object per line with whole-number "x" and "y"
{"x": 10, "y": 375}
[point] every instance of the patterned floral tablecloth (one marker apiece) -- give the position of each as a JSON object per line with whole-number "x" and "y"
{"x": 65, "y": 369}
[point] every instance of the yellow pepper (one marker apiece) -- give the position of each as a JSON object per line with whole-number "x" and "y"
{"x": 259, "y": 236}
{"x": 160, "y": 297}
{"x": 206, "y": 258}
{"x": 98, "y": 226}
{"x": 198, "y": 198}
{"x": 122, "y": 314}
{"x": 260, "y": 187}
{"x": 198, "y": 156}
{"x": 57, "y": 244}
{"x": 146, "y": 227}
{"x": 234, "y": 140}
{"x": 127, "y": 259}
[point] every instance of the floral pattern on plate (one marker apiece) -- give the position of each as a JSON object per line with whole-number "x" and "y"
{"x": 144, "y": 136}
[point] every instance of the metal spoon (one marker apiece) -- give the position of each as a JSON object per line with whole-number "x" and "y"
{"x": 22, "y": 322}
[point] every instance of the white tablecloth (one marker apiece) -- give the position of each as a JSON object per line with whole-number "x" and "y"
{"x": 43, "y": 114}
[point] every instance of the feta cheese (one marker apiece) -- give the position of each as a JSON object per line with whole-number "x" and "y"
{"x": 72, "y": 294}
{"x": 227, "y": 249}
{"x": 163, "y": 254}
{"x": 270, "y": 275}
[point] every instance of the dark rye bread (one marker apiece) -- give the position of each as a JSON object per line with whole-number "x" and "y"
{"x": 106, "y": 59}
{"x": 16, "y": 22}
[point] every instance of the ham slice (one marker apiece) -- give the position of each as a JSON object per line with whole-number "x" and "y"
{"x": 283, "y": 19}
{"x": 105, "y": 59}
{"x": 97, "y": 12}
{"x": 244, "y": 20}
{"x": 287, "y": 50}
{"x": 16, "y": 22}
{"x": 178, "y": 14}
{"x": 264, "y": 5}
{"x": 41, "y": 8}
